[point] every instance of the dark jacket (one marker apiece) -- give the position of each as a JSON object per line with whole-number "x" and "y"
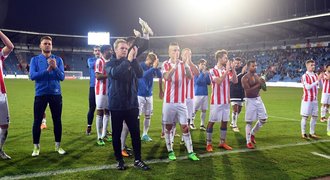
{"x": 123, "y": 83}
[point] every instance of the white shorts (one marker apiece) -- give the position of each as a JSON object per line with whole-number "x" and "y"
{"x": 101, "y": 102}
{"x": 239, "y": 103}
{"x": 309, "y": 108}
{"x": 325, "y": 99}
{"x": 190, "y": 107}
{"x": 175, "y": 112}
{"x": 201, "y": 103}
{"x": 255, "y": 109}
{"x": 145, "y": 105}
{"x": 219, "y": 112}
{"x": 4, "y": 110}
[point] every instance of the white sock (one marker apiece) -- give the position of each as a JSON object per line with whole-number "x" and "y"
{"x": 99, "y": 122}
{"x": 3, "y": 137}
{"x": 209, "y": 132}
{"x": 105, "y": 125}
{"x": 168, "y": 140}
{"x": 57, "y": 144}
{"x": 303, "y": 125}
{"x": 328, "y": 128}
{"x": 323, "y": 111}
{"x": 248, "y": 128}
{"x": 234, "y": 116}
{"x": 173, "y": 132}
{"x": 312, "y": 125}
{"x": 187, "y": 140}
{"x": 123, "y": 136}
{"x": 36, "y": 146}
{"x": 146, "y": 125}
{"x": 192, "y": 121}
{"x": 203, "y": 116}
{"x": 43, "y": 121}
{"x": 257, "y": 126}
{"x": 223, "y": 134}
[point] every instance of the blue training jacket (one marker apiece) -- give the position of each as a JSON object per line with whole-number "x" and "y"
{"x": 46, "y": 83}
{"x": 201, "y": 82}
{"x": 91, "y": 65}
{"x": 146, "y": 82}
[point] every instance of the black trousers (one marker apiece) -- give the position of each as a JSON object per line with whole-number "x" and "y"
{"x": 55, "y": 105}
{"x": 133, "y": 124}
{"x": 92, "y": 106}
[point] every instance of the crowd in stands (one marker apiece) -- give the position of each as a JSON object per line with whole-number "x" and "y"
{"x": 276, "y": 65}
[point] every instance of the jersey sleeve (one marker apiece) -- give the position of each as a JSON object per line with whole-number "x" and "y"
{"x": 98, "y": 66}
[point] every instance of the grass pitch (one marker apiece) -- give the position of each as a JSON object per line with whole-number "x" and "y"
{"x": 280, "y": 152}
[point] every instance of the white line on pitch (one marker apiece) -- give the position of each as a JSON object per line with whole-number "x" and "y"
{"x": 291, "y": 119}
{"x": 322, "y": 155}
{"x": 154, "y": 161}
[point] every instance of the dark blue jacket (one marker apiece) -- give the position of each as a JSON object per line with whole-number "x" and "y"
{"x": 47, "y": 83}
{"x": 123, "y": 83}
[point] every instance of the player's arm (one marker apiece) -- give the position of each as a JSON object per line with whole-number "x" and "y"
{"x": 188, "y": 71}
{"x": 247, "y": 87}
{"x": 115, "y": 71}
{"x": 9, "y": 46}
{"x": 58, "y": 68}
{"x": 167, "y": 74}
{"x": 219, "y": 80}
{"x": 193, "y": 68}
{"x": 100, "y": 76}
{"x": 234, "y": 77}
{"x": 35, "y": 74}
{"x": 136, "y": 67}
{"x": 307, "y": 85}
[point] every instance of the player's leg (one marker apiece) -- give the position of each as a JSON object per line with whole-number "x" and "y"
{"x": 225, "y": 116}
{"x": 117, "y": 126}
{"x": 106, "y": 120}
{"x": 169, "y": 113}
{"x": 4, "y": 121}
{"x": 204, "y": 107}
{"x": 99, "y": 119}
{"x": 146, "y": 110}
{"x": 214, "y": 117}
{"x": 124, "y": 133}
{"x": 305, "y": 111}
{"x": 250, "y": 116}
{"x": 313, "y": 120}
{"x": 40, "y": 104}
{"x": 43, "y": 122}
{"x": 55, "y": 106}
{"x": 262, "y": 119}
{"x": 91, "y": 110}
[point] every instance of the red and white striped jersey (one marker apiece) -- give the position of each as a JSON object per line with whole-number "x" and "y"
{"x": 220, "y": 92}
{"x": 326, "y": 83}
{"x": 190, "y": 86}
{"x": 2, "y": 81}
{"x": 175, "y": 88}
{"x": 101, "y": 86}
{"x": 310, "y": 85}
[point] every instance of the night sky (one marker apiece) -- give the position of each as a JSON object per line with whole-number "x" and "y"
{"x": 166, "y": 17}
{"x": 80, "y": 16}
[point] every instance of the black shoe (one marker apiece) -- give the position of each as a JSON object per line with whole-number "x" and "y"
{"x": 121, "y": 165}
{"x": 128, "y": 148}
{"x": 140, "y": 164}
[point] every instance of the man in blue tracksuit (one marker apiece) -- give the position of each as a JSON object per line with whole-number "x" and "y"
{"x": 123, "y": 73}
{"x": 150, "y": 70}
{"x": 47, "y": 71}
{"x": 201, "y": 91}
{"x": 92, "y": 105}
